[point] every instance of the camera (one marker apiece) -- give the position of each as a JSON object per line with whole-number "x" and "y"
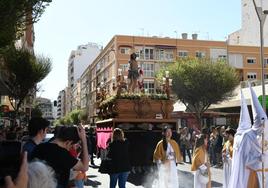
{"x": 10, "y": 159}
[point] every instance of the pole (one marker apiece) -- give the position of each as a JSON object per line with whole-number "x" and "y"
{"x": 261, "y": 17}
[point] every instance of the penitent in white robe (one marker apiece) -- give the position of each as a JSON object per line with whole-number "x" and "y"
{"x": 227, "y": 168}
{"x": 246, "y": 154}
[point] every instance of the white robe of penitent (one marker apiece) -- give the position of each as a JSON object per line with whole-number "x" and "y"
{"x": 227, "y": 167}
{"x": 167, "y": 172}
{"x": 247, "y": 154}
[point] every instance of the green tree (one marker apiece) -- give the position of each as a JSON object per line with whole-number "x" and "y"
{"x": 198, "y": 83}
{"x": 83, "y": 116}
{"x": 75, "y": 116}
{"x": 24, "y": 71}
{"x": 15, "y": 15}
{"x": 36, "y": 112}
{"x": 61, "y": 121}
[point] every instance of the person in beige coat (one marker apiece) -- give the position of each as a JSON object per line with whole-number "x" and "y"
{"x": 200, "y": 162}
{"x": 167, "y": 153}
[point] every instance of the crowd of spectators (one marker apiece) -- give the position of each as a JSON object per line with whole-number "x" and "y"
{"x": 59, "y": 162}
{"x": 63, "y": 160}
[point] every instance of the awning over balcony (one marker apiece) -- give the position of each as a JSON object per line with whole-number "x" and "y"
{"x": 165, "y": 47}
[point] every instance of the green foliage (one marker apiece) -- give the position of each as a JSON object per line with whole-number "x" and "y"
{"x": 111, "y": 100}
{"x": 266, "y": 100}
{"x": 62, "y": 121}
{"x": 198, "y": 83}
{"x": 67, "y": 120}
{"x": 83, "y": 115}
{"x": 24, "y": 71}
{"x": 74, "y": 116}
{"x": 15, "y": 15}
{"x": 36, "y": 112}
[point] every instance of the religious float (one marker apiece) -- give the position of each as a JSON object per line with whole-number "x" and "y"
{"x": 141, "y": 116}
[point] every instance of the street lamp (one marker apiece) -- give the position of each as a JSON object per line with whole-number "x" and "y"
{"x": 261, "y": 17}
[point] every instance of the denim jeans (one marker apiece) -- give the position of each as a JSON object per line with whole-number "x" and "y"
{"x": 79, "y": 183}
{"x": 121, "y": 177}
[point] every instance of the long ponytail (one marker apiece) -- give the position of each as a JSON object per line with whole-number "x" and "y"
{"x": 164, "y": 138}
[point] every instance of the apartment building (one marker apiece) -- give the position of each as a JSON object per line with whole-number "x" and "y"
{"x": 84, "y": 87}
{"x": 249, "y": 33}
{"x": 45, "y": 105}
{"x": 154, "y": 52}
{"x": 78, "y": 61}
{"x": 61, "y": 104}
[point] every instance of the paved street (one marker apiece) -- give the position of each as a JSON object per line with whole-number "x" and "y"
{"x": 99, "y": 180}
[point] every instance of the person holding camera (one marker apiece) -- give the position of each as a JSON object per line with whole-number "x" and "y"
{"x": 37, "y": 129}
{"x": 22, "y": 178}
{"x": 57, "y": 155}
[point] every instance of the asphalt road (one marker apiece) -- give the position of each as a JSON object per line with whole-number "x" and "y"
{"x": 145, "y": 180}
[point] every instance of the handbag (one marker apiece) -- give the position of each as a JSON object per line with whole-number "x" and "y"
{"x": 105, "y": 166}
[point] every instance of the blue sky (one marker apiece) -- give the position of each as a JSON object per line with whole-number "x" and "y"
{"x": 69, "y": 23}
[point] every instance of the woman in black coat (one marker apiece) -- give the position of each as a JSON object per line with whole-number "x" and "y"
{"x": 119, "y": 154}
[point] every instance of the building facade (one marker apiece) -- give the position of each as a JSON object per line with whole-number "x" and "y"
{"x": 61, "y": 104}
{"x": 46, "y": 107}
{"x": 84, "y": 93}
{"x": 249, "y": 33}
{"x": 154, "y": 52}
{"x": 78, "y": 61}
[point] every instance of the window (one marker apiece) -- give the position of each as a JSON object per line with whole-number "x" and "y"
{"x": 139, "y": 52}
{"x": 124, "y": 67}
{"x": 149, "y": 53}
{"x": 266, "y": 61}
{"x": 148, "y": 69}
{"x": 164, "y": 54}
{"x": 265, "y": 76}
{"x": 200, "y": 54}
{"x": 251, "y": 60}
{"x": 124, "y": 50}
{"x": 169, "y": 55}
{"x": 148, "y": 86}
{"x": 160, "y": 54}
{"x": 252, "y": 75}
{"x": 182, "y": 53}
{"x": 222, "y": 57}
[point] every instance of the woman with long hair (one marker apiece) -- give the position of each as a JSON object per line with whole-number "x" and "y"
{"x": 119, "y": 154}
{"x": 200, "y": 163}
{"x": 167, "y": 154}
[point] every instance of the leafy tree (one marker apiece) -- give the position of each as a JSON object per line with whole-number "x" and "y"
{"x": 24, "y": 71}
{"x": 75, "y": 116}
{"x": 67, "y": 120}
{"x": 83, "y": 115}
{"x": 36, "y": 112}
{"x": 198, "y": 83}
{"x": 15, "y": 15}
{"x": 61, "y": 121}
